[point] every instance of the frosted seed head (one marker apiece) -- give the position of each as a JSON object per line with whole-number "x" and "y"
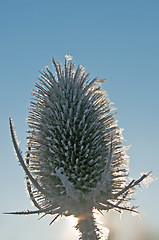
{"x": 76, "y": 159}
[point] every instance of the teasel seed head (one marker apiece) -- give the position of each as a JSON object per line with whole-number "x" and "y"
{"x": 75, "y": 161}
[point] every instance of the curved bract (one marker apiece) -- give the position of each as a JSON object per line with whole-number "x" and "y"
{"x": 75, "y": 160}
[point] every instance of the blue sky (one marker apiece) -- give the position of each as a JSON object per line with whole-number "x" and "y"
{"x": 116, "y": 40}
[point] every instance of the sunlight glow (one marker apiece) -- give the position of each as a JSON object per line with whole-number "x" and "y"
{"x": 72, "y": 220}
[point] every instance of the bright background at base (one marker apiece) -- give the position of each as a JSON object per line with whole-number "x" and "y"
{"x": 117, "y": 40}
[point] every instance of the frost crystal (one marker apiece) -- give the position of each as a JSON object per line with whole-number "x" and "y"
{"x": 75, "y": 161}
{"x": 149, "y": 179}
{"x": 68, "y": 57}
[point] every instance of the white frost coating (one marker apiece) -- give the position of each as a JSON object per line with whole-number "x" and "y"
{"x": 52, "y": 151}
{"x": 67, "y": 124}
{"x": 82, "y": 145}
{"x": 66, "y": 147}
{"x": 48, "y": 138}
{"x": 52, "y": 174}
{"x": 68, "y": 57}
{"x": 148, "y": 179}
{"x": 105, "y": 232}
{"x": 70, "y": 190}
{"x": 66, "y": 154}
{"x": 126, "y": 147}
{"x": 75, "y": 118}
{"x": 113, "y": 108}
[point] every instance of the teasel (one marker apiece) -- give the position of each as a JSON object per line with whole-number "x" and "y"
{"x": 75, "y": 163}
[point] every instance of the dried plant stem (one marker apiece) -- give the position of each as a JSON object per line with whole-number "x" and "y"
{"x": 87, "y": 227}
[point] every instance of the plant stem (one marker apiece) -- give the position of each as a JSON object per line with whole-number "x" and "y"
{"x": 86, "y": 226}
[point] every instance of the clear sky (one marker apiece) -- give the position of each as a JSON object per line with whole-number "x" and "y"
{"x": 116, "y": 40}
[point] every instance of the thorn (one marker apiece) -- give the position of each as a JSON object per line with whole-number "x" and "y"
{"x": 42, "y": 216}
{"x": 55, "y": 218}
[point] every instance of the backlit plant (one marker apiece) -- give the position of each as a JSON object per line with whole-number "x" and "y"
{"x": 75, "y": 162}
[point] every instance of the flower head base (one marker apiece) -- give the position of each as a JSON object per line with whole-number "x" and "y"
{"x": 75, "y": 160}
